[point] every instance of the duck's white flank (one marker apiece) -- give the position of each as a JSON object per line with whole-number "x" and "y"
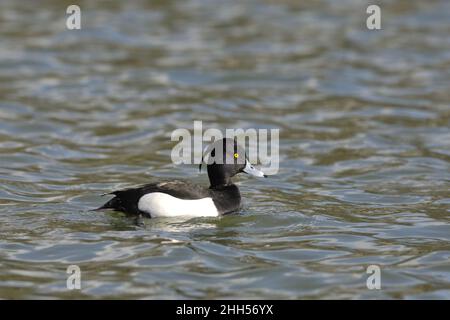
{"x": 159, "y": 204}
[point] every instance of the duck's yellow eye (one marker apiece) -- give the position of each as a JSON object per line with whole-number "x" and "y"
{"x": 236, "y": 155}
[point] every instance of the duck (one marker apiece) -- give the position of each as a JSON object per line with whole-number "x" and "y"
{"x": 182, "y": 198}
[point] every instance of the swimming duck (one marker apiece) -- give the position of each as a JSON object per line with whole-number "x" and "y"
{"x": 180, "y": 198}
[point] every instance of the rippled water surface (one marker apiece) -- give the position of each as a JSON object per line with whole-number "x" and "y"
{"x": 364, "y": 147}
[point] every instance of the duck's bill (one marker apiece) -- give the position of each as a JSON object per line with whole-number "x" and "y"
{"x": 251, "y": 170}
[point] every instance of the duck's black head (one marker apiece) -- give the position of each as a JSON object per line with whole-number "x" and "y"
{"x": 225, "y": 158}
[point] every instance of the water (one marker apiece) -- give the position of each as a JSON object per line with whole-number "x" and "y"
{"x": 364, "y": 133}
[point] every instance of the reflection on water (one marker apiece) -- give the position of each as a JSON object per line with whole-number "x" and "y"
{"x": 364, "y": 133}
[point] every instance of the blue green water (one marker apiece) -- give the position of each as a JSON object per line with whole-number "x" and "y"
{"x": 364, "y": 147}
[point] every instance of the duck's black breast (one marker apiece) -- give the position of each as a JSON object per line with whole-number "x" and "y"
{"x": 227, "y": 199}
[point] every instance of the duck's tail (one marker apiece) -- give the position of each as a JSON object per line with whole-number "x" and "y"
{"x": 124, "y": 200}
{"x": 114, "y": 204}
